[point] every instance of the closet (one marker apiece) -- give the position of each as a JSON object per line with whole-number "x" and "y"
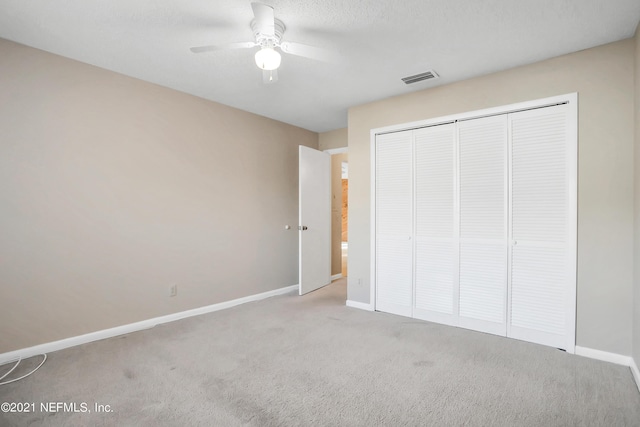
{"x": 475, "y": 221}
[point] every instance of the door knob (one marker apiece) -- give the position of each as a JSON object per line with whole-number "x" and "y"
{"x": 302, "y": 227}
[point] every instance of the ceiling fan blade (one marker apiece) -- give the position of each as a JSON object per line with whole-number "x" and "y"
{"x": 269, "y": 76}
{"x": 307, "y": 51}
{"x": 264, "y": 19}
{"x": 239, "y": 45}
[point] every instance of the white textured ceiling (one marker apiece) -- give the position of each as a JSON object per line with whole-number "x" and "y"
{"x": 378, "y": 42}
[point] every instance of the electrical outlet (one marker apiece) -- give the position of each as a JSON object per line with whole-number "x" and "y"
{"x": 173, "y": 291}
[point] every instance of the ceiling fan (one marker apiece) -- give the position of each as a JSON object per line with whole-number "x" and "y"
{"x": 268, "y": 32}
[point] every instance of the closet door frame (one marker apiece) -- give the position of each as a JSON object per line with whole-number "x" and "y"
{"x": 572, "y": 100}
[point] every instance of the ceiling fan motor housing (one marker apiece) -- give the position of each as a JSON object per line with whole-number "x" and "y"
{"x": 268, "y": 41}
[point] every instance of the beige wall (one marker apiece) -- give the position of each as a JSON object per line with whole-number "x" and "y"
{"x": 333, "y": 139}
{"x": 636, "y": 314}
{"x": 336, "y": 211}
{"x": 113, "y": 189}
{"x": 604, "y": 79}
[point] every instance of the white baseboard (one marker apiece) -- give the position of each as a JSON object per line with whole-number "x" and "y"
{"x": 605, "y": 356}
{"x": 618, "y": 359}
{"x": 360, "y": 305}
{"x": 336, "y": 277}
{"x": 635, "y": 372}
{"x": 133, "y": 327}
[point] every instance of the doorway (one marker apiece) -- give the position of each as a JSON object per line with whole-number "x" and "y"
{"x": 339, "y": 213}
{"x": 344, "y": 226}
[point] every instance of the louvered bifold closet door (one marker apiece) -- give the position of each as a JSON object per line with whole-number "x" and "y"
{"x": 394, "y": 223}
{"x": 542, "y": 276}
{"x": 483, "y": 224}
{"x": 435, "y": 247}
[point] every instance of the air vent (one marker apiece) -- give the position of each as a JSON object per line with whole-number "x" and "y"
{"x": 427, "y": 75}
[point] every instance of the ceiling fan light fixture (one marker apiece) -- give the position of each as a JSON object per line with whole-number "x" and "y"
{"x": 268, "y": 59}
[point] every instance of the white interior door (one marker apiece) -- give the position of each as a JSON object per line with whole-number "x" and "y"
{"x": 436, "y": 247}
{"x": 475, "y": 222}
{"x": 394, "y": 223}
{"x": 543, "y": 227}
{"x": 483, "y": 224}
{"x": 314, "y": 215}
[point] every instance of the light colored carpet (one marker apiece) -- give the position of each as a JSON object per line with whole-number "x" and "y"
{"x": 298, "y": 361}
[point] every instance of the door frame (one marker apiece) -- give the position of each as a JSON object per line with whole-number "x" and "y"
{"x": 569, "y": 98}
